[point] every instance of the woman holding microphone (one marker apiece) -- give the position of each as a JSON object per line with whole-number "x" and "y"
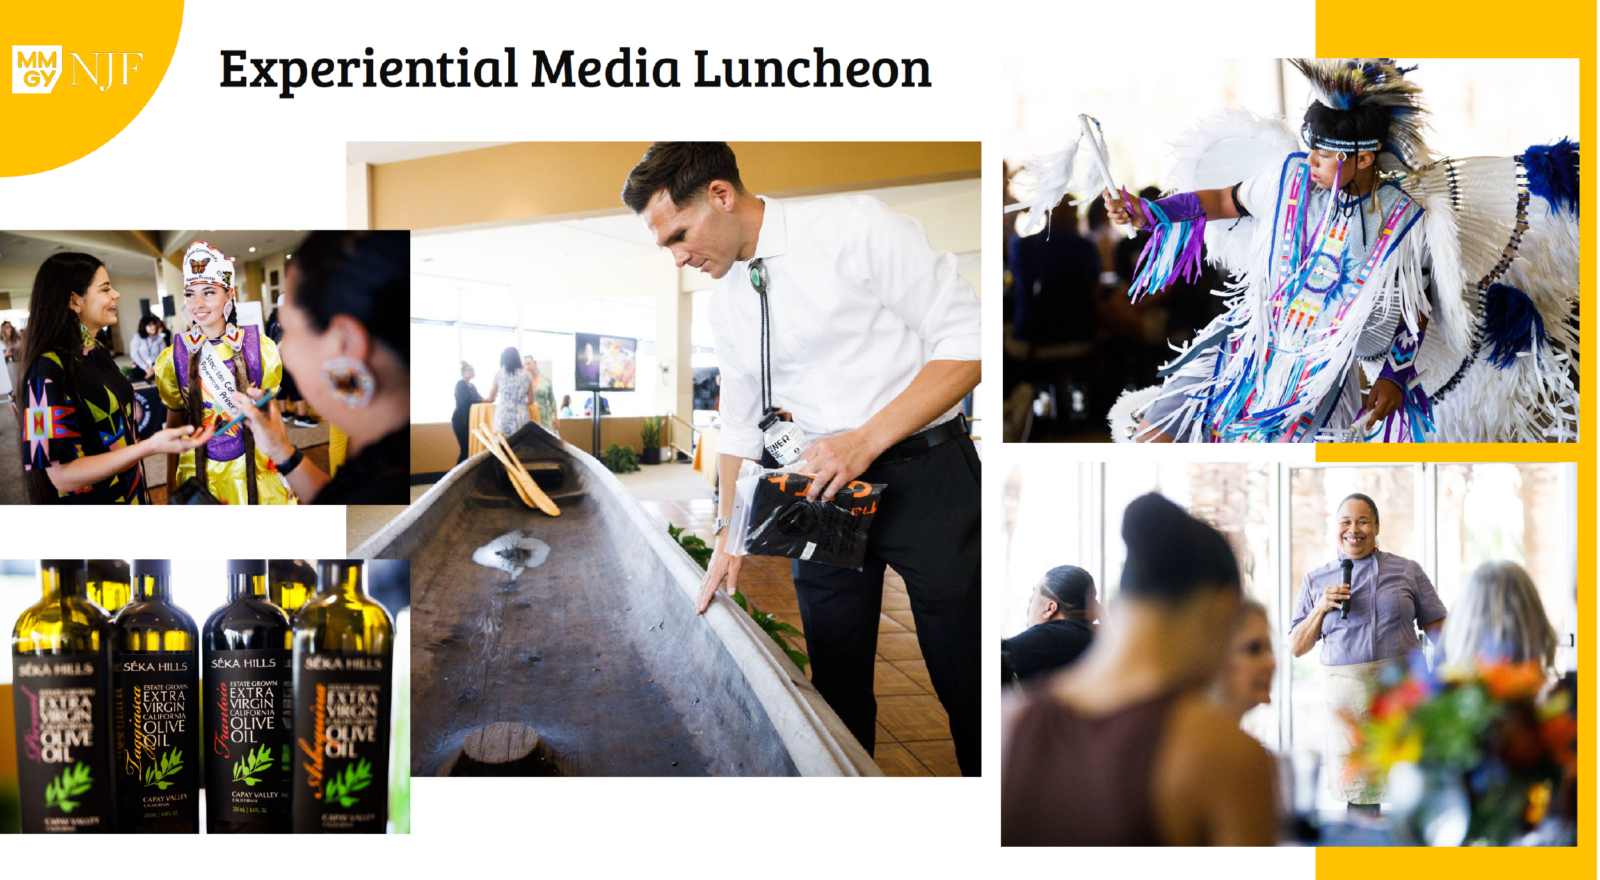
{"x": 1365, "y": 607}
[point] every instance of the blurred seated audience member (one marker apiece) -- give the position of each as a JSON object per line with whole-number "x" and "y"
{"x": 1125, "y": 748}
{"x": 1060, "y": 620}
{"x": 566, "y": 407}
{"x": 1246, "y": 679}
{"x": 1056, "y": 274}
{"x": 1498, "y": 617}
{"x": 1103, "y": 234}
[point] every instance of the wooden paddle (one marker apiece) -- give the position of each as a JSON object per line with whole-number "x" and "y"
{"x": 529, "y": 491}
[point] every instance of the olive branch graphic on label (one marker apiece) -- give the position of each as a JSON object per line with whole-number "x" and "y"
{"x": 170, "y": 763}
{"x": 72, "y": 783}
{"x": 343, "y": 786}
{"x": 255, "y": 762}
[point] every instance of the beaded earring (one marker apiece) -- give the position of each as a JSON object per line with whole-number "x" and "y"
{"x": 350, "y": 380}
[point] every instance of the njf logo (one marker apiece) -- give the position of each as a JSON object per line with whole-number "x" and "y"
{"x": 35, "y": 70}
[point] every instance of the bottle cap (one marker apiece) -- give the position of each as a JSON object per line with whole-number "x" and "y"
{"x": 768, "y": 419}
{"x": 65, "y": 564}
{"x": 108, "y": 569}
{"x": 247, "y": 566}
{"x": 152, "y": 568}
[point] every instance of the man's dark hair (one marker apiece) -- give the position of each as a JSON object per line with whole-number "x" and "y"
{"x": 1373, "y": 505}
{"x": 683, "y": 168}
{"x": 1070, "y": 586}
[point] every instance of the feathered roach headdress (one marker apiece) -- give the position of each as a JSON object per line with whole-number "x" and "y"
{"x": 1364, "y": 104}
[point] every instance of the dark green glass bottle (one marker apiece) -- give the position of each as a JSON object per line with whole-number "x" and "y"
{"x": 157, "y": 678}
{"x": 248, "y": 678}
{"x": 61, "y": 676}
{"x": 343, "y": 674}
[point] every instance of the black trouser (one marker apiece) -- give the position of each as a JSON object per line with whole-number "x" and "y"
{"x": 927, "y": 528}
{"x": 461, "y": 438}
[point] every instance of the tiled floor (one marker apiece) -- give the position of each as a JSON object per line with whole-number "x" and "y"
{"x": 913, "y": 732}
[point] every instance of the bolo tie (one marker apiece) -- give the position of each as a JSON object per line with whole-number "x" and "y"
{"x": 760, "y": 281}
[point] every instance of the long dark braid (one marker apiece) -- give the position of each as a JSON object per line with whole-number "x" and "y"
{"x": 196, "y": 407}
{"x": 242, "y": 381}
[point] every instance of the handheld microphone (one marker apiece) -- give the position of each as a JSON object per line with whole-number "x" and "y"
{"x": 1345, "y": 567}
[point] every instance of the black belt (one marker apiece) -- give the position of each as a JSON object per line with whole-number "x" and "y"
{"x": 922, "y": 441}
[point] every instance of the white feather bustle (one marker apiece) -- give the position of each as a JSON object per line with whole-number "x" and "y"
{"x": 1126, "y": 413}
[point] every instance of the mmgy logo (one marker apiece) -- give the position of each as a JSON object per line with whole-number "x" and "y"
{"x": 35, "y": 70}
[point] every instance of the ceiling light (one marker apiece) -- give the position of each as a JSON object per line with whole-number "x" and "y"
{"x": 252, "y": 250}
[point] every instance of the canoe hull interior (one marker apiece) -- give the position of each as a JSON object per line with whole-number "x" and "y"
{"x": 598, "y": 649}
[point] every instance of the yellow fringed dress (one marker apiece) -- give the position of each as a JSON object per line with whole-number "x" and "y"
{"x": 226, "y": 476}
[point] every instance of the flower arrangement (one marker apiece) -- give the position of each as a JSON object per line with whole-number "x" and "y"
{"x": 1485, "y": 740}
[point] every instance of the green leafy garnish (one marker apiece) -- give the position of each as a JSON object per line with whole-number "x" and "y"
{"x": 72, "y": 783}
{"x": 343, "y": 786}
{"x": 157, "y": 773}
{"x": 252, "y": 763}
{"x": 695, "y": 546}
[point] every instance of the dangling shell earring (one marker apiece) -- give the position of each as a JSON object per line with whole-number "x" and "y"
{"x": 350, "y": 380}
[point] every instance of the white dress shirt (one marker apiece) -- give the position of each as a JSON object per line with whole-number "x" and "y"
{"x": 859, "y": 302}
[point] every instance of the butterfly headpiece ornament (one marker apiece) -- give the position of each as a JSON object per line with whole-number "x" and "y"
{"x": 1364, "y": 104}
{"x": 204, "y": 264}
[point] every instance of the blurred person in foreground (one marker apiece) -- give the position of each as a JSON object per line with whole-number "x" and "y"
{"x": 1246, "y": 679}
{"x": 1499, "y": 618}
{"x": 1125, "y": 748}
{"x": 346, "y": 340}
{"x": 1061, "y": 623}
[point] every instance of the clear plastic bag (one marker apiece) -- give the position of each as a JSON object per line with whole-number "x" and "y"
{"x": 773, "y": 518}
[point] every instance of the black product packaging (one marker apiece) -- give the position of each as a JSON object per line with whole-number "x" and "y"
{"x": 784, "y": 523}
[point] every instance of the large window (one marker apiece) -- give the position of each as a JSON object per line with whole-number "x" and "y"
{"x": 1281, "y": 520}
{"x": 455, "y": 320}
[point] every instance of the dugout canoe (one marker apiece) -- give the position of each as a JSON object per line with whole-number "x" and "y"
{"x": 592, "y": 663}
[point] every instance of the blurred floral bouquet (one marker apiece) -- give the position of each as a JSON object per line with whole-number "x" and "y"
{"x": 1468, "y": 758}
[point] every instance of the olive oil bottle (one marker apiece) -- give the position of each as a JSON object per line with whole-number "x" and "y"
{"x": 157, "y": 678}
{"x": 110, "y": 583}
{"x": 343, "y": 668}
{"x": 61, "y": 667}
{"x": 248, "y": 679}
{"x": 290, "y": 582}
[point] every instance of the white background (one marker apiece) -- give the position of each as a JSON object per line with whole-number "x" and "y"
{"x": 202, "y": 157}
